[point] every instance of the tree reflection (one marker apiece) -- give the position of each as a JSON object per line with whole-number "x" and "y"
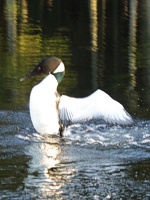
{"x": 102, "y": 43}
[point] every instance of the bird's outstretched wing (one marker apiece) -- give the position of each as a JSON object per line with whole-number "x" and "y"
{"x": 98, "y": 105}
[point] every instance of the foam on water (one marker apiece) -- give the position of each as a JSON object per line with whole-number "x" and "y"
{"x": 91, "y": 158}
{"x": 108, "y": 136}
{"x": 93, "y": 133}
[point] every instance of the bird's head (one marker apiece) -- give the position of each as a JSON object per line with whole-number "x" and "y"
{"x": 49, "y": 65}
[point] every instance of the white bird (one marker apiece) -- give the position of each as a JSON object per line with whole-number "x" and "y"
{"x": 50, "y": 112}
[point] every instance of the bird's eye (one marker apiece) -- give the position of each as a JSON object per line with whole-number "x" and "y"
{"x": 39, "y": 68}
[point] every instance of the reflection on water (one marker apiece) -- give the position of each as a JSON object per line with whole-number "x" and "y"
{"x": 93, "y": 160}
{"x": 44, "y": 158}
{"x": 104, "y": 44}
{"x": 133, "y": 41}
{"x": 11, "y": 18}
{"x": 110, "y": 52}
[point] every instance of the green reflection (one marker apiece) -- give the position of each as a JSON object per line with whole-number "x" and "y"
{"x": 26, "y": 46}
{"x": 102, "y": 44}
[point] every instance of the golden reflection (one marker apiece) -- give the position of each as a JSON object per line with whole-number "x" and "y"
{"x": 94, "y": 39}
{"x": 24, "y": 11}
{"x": 94, "y": 23}
{"x": 26, "y": 44}
{"x": 11, "y": 18}
{"x": 133, "y": 41}
{"x": 133, "y": 18}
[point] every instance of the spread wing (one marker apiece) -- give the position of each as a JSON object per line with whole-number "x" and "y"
{"x": 98, "y": 105}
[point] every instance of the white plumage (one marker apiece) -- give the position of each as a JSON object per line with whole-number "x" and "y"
{"x": 49, "y": 112}
{"x": 46, "y": 118}
{"x": 43, "y": 112}
{"x": 98, "y": 105}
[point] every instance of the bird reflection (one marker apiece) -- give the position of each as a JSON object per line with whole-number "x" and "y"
{"x": 47, "y": 172}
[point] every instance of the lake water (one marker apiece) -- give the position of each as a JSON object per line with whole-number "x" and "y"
{"x": 104, "y": 44}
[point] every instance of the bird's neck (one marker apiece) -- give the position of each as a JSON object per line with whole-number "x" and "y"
{"x": 49, "y": 83}
{"x": 59, "y": 76}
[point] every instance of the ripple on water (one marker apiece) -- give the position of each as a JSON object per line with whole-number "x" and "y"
{"x": 92, "y": 159}
{"x": 108, "y": 136}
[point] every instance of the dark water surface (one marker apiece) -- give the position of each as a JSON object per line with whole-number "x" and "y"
{"x": 104, "y": 44}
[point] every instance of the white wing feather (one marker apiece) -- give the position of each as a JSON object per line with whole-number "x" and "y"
{"x": 98, "y": 105}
